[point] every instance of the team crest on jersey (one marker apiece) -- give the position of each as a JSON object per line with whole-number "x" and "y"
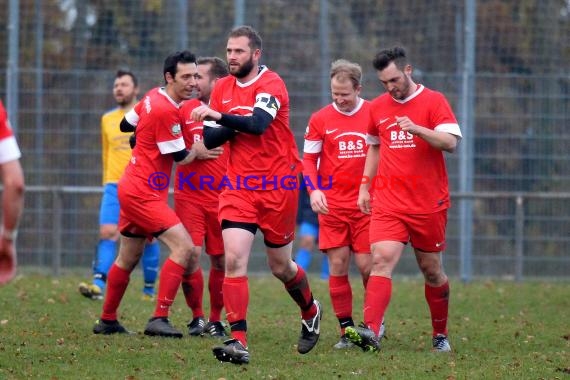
{"x": 176, "y": 129}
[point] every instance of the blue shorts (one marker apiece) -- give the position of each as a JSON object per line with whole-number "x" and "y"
{"x": 308, "y": 229}
{"x": 109, "y": 211}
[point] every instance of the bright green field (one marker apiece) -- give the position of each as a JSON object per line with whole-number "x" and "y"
{"x": 498, "y": 330}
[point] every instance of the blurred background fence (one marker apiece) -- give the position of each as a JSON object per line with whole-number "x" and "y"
{"x": 503, "y": 64}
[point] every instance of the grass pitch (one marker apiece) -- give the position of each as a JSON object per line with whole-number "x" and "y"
{"x": 498, "y": 330}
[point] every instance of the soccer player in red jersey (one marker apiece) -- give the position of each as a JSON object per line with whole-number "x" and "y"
{"x": 12, "y": 178}
{"x": 143, "y": 195}
{"x": 196, "y": 191}
{"x": 250, "y": 108}
{"x": 334, "y": 151}
{"x": 411, "y": 128}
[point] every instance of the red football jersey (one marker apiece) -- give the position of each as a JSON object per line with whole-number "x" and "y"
{"x": 9, "y": 149}
{"x": 339, "y": 138}
{"x": 270, "y": 160}
{"x": 200, "y": 178}
{"x": 411, "y": 176}
{"x": 158, "y": 133}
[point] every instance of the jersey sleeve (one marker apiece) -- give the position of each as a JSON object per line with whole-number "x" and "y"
{"x": 313, "y": 136}
{"x": 270, "y": 95}
{"x": 268, "y": 103}
{"x": 443, "y": 117}
{"x": 133, "y": 115}
{"x": 372, "y": 135}
{"x": 168, "y": 134}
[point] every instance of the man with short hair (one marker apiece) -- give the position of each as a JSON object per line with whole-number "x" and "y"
{"x": 143, "y": 194}
{"x": 116, "y": 153}
{"x": 334, "y": 151}
{"x": 250, "y": 108}
{"x": 196, "y": 192}
{"x": 411, "y": 127}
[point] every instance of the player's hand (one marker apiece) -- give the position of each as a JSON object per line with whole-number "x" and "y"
{"x": 364, "y": 201}
{"x": 407, "y": 125}
{"x": 203, "y": 112}
{"x": 203, "y": 153}
{"x": 319, "y": 202}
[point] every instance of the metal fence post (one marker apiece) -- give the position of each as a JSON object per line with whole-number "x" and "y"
{"x": 466, "y": 150}
{"x": 519, "y": 238}
{"x": 12, "y": 64}
{"x": 57, "y": 235}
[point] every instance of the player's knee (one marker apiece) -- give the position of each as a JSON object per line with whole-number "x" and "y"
{"x": 108, "y": 232}
{"x": 307, "y": 242}
{"x": 191, "y": 255}
{"x": 15, "y": 184}
{"x": 434, "y": 278}
{"x": 282, "y": 270}
{"x": 339, "y": 263}
{"x": 234, "y": 266}
{"x": 433, "y": 273}
{"x": 217, "y": 262}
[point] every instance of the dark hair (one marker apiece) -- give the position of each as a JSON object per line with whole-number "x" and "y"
{"x": 249, "y": 32}
{"x": 397, "y": 55}
{"x": 122, "y": 72}
{"x": 171, "y": 62}
{"x": 218, "y": 68}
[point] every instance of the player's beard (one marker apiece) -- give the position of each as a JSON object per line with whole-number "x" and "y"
{"x": 404, "y": 91}
{"x": 244, "y": 69}
{"x": 125, "y": 100}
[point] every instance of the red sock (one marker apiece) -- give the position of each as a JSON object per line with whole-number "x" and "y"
{"x": 376, "y": 300}
{"x": 438, "y": 302}
{"x": 117, "y": 282}
{"x": 215, "y": 281}
{"x": 170, "y": 279}
{"x": 300, "y": 291}
{"x": 193, "y": 288}
{"x": 341, "y": 297}
{"x": 236, "y": 300}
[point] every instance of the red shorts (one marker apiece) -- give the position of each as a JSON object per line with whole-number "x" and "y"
{"x": 274, "y": 211}
{"x": 342, "y": 227}
{"x": 426, "y": 232}
{"x": 201, "y": 222}
{"x": 144, "y": 216}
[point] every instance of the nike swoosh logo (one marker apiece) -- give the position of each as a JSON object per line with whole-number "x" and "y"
{"x": 189, "y": 122}
{"x": 328, "y": 132}
{"x": 384, "y": 120}
{"x": 225, "y": 101}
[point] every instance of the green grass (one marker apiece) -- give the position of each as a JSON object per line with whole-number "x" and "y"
{"x": 498, "y": 330}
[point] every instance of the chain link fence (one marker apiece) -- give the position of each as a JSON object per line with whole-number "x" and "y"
{"x": 503, "y": 64}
